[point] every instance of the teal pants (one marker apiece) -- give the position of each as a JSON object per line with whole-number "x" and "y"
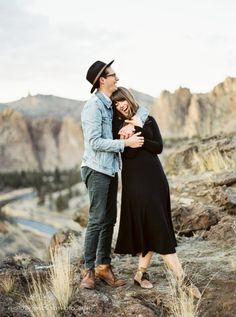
{"x": 102, "y": 191}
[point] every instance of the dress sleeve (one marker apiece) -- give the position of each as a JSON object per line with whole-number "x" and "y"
{"x": 116, "y": 126}
{"x": 154, "y": 145}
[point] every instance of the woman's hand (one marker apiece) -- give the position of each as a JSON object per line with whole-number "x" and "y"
{"x": 127, "y": 131}
{"x": 136, "y": 121}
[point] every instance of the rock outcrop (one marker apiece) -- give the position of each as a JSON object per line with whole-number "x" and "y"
{"x": 70, "y": 144}
{"x": 190, "y": 219}
{"x": 16, "y": 148}
{"x": 170, "y": 111}
{"x": 57, "y": 144}
{"x": 185, "y": 114}
{"x": 208, "y": 154}
{"x": 38, "y": 144}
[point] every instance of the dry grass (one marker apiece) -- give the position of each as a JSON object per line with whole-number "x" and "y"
{"x": 46, "y": 300}
{"x": 61, "y": 277}
{"x": 182, "y": 303}
{"x": 234, "y": 226}
{"x": 233, "y": 262}
{"x": 233, "y": 265}
{"x": 213, "y": 161}
{"x": 7, "y": 283}
{"x": 41, "y": 302}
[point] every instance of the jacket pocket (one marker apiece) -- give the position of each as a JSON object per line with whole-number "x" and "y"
{"x": 107, "y": 127}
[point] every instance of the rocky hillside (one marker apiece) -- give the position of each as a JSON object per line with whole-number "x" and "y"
{"x": 203, "y": 199}
{"x": 38, "y": 144}
{"x": 185, "y": 114}
{"x": 40, "y": 133}
{"x": 44, "y": 132}
{"x": 202, "y": 179}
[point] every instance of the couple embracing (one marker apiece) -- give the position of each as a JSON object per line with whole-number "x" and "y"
{"x": 115, "y": 126}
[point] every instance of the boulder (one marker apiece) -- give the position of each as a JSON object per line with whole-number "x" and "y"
{"x": 224, "y": 230}
{"x": 189, "y": 219}
{"x": 64, "y": 237}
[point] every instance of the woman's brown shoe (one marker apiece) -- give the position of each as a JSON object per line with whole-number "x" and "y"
{"x": 187, "y": 285}
{"x": 141, "y": 278}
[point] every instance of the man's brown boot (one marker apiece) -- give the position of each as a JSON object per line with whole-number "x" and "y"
{"x": 104, "y": 272}
{"x": 88, "y": 280}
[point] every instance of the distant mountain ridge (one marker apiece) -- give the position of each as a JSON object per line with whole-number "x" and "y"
{"x": 43, "y": 106}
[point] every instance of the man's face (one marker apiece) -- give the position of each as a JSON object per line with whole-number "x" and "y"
{"x": 110, "y": 80}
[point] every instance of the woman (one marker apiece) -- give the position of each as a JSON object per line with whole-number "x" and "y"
{"x": 145, "y": 224}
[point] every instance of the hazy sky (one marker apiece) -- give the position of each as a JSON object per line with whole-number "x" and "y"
{"x": 46, "y": 46}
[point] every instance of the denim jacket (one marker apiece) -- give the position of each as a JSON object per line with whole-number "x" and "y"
{"x": 101, "y": 152}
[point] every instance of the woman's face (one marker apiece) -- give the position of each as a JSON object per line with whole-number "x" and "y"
{"x": 123, "y": 107}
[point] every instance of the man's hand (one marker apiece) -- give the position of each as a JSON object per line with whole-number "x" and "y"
{"x": 135, "y": 121}
{"x": 127, "y": 131}
{"x": 135, "y": 140}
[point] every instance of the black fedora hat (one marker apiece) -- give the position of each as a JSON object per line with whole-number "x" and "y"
{"x": 95, "y": 71}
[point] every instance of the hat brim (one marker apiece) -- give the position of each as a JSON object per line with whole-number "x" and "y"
{"x": 98, "y": 75}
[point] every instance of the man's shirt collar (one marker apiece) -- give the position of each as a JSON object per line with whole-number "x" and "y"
{"x": 105, "y": 99}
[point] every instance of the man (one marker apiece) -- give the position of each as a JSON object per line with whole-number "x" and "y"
{"x": 99, "y": 168}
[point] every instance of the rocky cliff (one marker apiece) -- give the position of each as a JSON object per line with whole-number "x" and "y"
{"x": 16, "y": 148}
{"x": 38, "y": 144}
{"x": 185, "y": 114}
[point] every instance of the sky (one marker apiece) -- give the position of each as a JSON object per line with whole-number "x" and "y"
{"x": 47, "y": 46}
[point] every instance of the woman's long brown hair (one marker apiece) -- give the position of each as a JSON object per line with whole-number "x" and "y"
{"x": 122, "y": 94}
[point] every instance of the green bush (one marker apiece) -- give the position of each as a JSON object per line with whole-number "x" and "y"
{"x": 41, "y": 181}
{"x": 62, "y": 202}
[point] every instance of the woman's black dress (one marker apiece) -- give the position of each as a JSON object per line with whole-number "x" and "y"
{"x": 145, "y": 223}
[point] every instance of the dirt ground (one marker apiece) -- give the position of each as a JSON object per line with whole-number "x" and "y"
{"x": 211, "y": 265}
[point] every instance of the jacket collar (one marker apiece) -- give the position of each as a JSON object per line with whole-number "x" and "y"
{"x": 105, "y": 100}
